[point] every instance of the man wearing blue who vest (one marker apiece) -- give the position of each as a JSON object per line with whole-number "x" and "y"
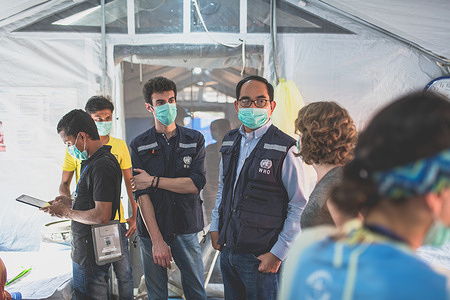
{"x": 260, "y": 198}
{"x": 169, "y": 172}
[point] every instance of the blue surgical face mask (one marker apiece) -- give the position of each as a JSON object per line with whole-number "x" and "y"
{"x": 104, "y": 128}
{"x": 253, "y": 117}
{"x": 73, "y": 150}
{"x": 166, "y": 113}
{"x": 437, "y": 235}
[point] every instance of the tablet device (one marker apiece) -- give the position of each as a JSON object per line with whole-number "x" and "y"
{"x": 32, "y": 201}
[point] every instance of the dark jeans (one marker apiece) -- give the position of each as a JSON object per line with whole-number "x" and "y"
{"x": 90, "y": 281}
{"x": 187, "y": 255}
{"x": 242, "y": 280}
{"x": 123, "y": 271}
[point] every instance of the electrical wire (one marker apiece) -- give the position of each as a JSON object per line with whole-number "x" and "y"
{"x": 273, "y": 38}
{"x": 242, "y": 43}
{"x": 197, "y": 9}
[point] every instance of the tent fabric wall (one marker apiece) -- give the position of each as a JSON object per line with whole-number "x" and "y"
{"x": 42, "y": 79}
{"x": 361, "y": 71}
{"x": 361, "y": 75}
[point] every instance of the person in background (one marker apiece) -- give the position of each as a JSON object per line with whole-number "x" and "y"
{"x": 97, "y": 201}
{"x": 219, "y": 128}
{"x": 260, "y": 197}
{"x": 101, "y": 109}
{"x": 327, "y": 137}
{"x": 400, "y": 177}
{"x": 169, "y": 173}
{"x": 4, "y": 295}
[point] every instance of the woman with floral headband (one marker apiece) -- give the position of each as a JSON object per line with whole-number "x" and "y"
{"x": 400, "y": 177}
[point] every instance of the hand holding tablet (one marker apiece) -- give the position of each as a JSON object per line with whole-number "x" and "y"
{"x": 32, "y": 201}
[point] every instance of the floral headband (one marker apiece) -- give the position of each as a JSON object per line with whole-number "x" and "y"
{"x": 430, "y": 174}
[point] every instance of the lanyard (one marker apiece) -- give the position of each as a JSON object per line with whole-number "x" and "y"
{"x": 76, "y": 189}
{"x": 384, "y": 231}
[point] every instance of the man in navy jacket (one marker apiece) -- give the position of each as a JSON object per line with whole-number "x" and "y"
{"x": 169, "y": 173}
{"x": 260, "y": 197}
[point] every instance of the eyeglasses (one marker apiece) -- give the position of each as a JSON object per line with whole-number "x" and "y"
{"x": 260, "y": 103}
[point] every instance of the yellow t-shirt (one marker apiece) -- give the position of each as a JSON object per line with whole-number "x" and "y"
{"x": 120, "y": 150}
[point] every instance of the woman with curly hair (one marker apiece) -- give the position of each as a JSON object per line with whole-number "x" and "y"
{"x": 327, "y": 136}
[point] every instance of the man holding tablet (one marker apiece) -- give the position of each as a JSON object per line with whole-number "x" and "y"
{"x": 97, "y": 198}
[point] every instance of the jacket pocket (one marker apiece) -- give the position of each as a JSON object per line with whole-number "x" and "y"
{"x": 188, "y": 213}
{"x": 258, "y": 232}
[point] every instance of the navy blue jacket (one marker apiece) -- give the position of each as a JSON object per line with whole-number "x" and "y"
{"x": 252, "y": 216}
{"x": 175, "y": 213}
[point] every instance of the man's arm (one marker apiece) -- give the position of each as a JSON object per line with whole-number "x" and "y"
{"x": 69, "y": 166}
{"x": 131, "y": 220}
{"x": 180, "y": 185}
{"x": 161, "y": 251}
{"x": 66, "y": 179}
{"x": 121, "y": 150}
{"x": 294, "y": 178}
{"x": 61, "y": 207}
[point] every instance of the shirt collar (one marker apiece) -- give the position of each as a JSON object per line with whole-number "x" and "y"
{"x": 257, "y": 133}
{"x": 100, "y": 151}
{"x": 163, "y": 135}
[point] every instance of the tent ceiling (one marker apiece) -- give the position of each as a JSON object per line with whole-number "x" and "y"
{"x": 220, "y": 66}
{"x": 221, "y": 80}
{"x": 424, "y": 23}
{"x": 167, "y": 17}
{"x": 13, "y": 7}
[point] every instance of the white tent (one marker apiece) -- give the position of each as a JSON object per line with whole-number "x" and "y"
{"x": 54, "y": 55}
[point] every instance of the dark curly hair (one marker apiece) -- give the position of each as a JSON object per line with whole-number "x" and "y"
{"x": 328, "y": 134}
{"x": 158, "y": 84}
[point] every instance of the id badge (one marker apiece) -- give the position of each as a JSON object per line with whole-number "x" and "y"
{"x": 107, "y": 240}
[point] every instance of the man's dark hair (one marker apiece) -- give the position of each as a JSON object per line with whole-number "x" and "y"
{"x": 97, "y": 103}
{"x": 77, "y": 121}
{"x": 158, "y": 85}
{"x": 254, "y": 77}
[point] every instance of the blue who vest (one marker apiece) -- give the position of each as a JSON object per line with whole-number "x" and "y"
{"x": 252, "y": 215}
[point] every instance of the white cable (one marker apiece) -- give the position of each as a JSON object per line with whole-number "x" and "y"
{"x": 206, "y": 29}
{"x": 243, "y": 58}
{"x": 223, "y": 44}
